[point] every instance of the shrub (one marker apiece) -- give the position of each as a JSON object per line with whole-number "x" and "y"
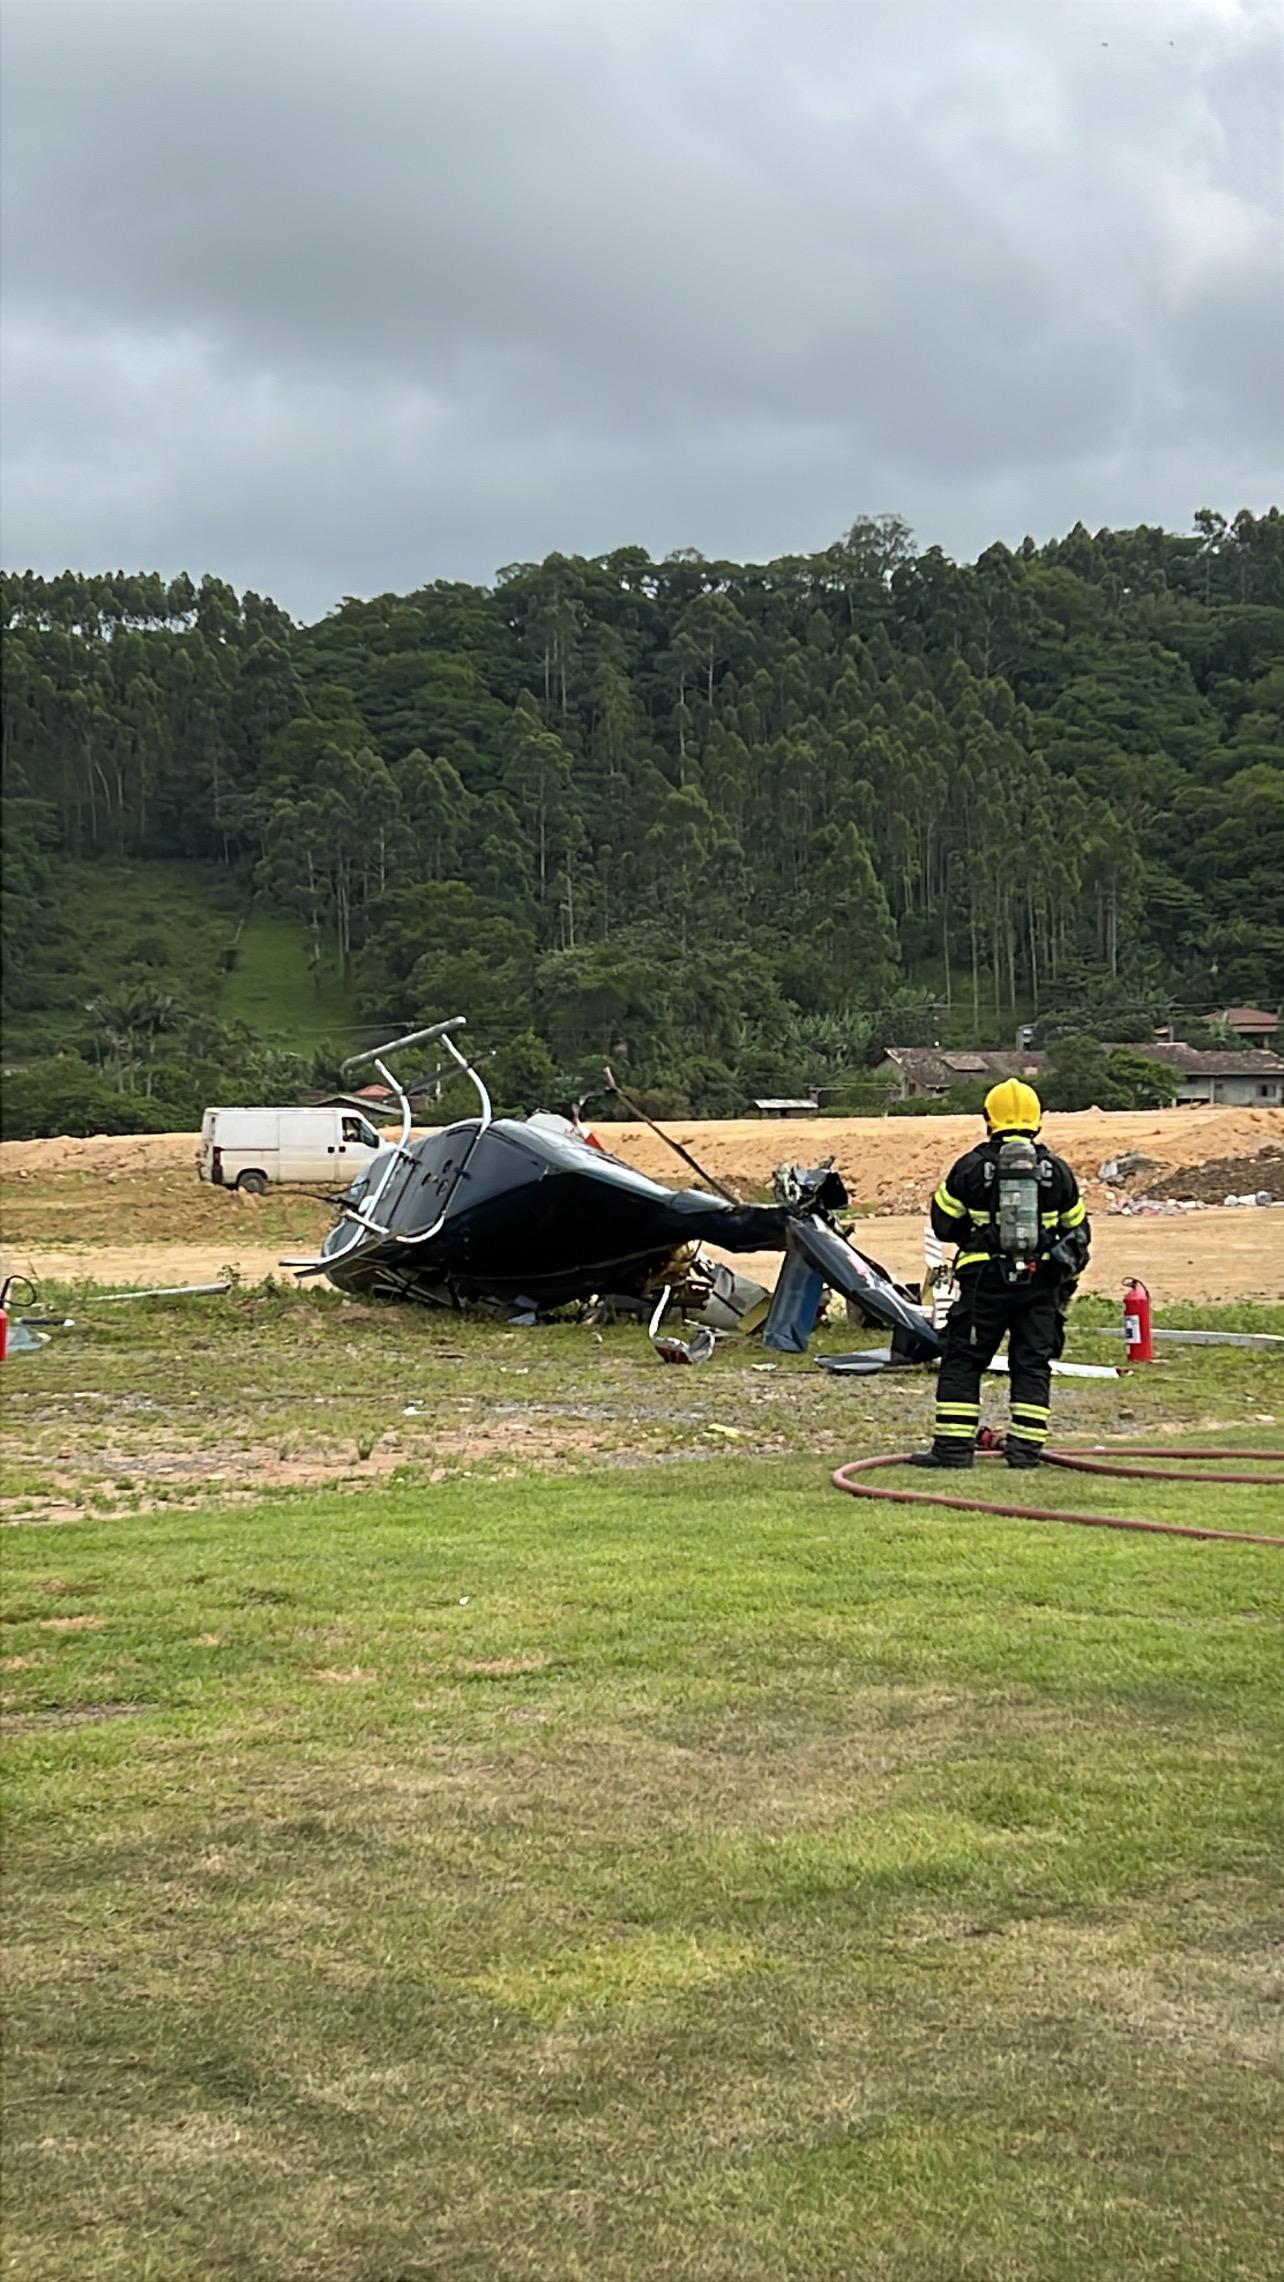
{"x": 961, "y": 1101}
{"x": 862, "y": 1095}
{"x": 1082, "y": 1075}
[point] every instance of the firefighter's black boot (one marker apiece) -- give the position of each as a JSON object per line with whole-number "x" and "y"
{"x": 956, "y": 1459}
{"x": 1021, "y": 1455}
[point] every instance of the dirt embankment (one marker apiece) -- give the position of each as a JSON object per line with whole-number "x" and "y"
{"x": 892, "y": 1163}
{"x": 100, "y": 1153}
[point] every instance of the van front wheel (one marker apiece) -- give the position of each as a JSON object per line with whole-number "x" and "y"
{"x": 255, "y": 1184}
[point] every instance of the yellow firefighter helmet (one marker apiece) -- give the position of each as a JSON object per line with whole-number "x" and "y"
{"x": 1013, "y": 1107}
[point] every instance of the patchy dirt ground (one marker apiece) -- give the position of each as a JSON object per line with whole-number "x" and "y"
{"x": 1205, "y": 1256}
{"x": 1202, "y": 1257}
{"x": 264, "y": 1393}
{"x": 230, "y": 1399}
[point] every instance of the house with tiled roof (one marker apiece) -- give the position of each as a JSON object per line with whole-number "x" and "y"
{"x": 938, "y": 1069}
{"x": 1251, "y": 1023}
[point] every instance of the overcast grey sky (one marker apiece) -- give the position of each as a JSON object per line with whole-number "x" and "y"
{"x": 334, "y": 296}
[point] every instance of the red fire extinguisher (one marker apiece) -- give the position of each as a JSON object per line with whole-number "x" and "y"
{"x": 1139, "y": 1337}
{"x": 5, "y": 1288}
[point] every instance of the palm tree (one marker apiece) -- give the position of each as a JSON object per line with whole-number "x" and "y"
{"x": 132, "y": 1021}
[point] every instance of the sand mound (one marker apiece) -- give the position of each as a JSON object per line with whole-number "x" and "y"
{"x": 102, "y": 1152}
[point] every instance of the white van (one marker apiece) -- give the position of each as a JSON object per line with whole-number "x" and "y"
{"x": 256, "y": 1149}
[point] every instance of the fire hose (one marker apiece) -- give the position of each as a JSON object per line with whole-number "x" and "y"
{"x": 1096, "y": 1463}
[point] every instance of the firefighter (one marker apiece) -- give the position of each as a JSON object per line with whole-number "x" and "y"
{"x": 1015, "y": 1213}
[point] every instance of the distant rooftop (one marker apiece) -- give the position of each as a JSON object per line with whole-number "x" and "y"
{"x": 932, "y": 1066}
{"x": 929, "y": 1069}
{"x": 1249, "y": 1018}
{"x": 1212, "y": 1062}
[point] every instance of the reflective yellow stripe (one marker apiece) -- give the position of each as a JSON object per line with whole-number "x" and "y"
{"x": 1049, "y": 1219}
{"x": 949, "y": 1204}
{"x": 1072, "y": 1218}
{"x": 1023, "y": 1433}
{"x": 972, "y": 1259}
{"x": 958, "y": 1410}
{"x": 947, "y": 1433}
{"x": 1032, "y": 1409}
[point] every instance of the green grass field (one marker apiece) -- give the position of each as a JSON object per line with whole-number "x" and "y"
{"x": 591, "y": 1848}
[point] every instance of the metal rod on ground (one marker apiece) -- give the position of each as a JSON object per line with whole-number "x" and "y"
{"x": 166, "y": 1291}
{"x": 730, "y": 1194}
{"x": 1263, "y": 1339}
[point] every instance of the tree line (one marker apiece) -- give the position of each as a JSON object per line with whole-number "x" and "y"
{"x": 733, "y": 825}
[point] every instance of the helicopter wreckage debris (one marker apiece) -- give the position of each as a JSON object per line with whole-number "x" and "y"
{"x": 523, "y": 1218}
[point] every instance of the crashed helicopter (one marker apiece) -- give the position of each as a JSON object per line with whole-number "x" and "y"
{"x": 521, "y": 1217}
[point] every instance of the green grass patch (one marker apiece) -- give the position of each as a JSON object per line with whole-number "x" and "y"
{"x": 273, "y": 988}
{"x": 646, "y": 1870}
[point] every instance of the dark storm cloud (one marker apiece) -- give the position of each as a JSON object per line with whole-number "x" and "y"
{"x": 334, "y": 296}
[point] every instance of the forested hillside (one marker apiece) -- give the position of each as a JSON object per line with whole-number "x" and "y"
{"x": 733, "y": 824}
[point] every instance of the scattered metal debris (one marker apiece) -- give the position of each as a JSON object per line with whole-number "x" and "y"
{"x": 719, "y": 1295}
{"x": 1071, "y": 1370}
{"x": 1152, "y": 1207}
{"x": 814, "y": 1187}
{"x": 673, "y": 1350}
{"x": 866, "y": 1361}
{"x": 816, "y": 1255}
{"x": 1126, "y": 1167}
